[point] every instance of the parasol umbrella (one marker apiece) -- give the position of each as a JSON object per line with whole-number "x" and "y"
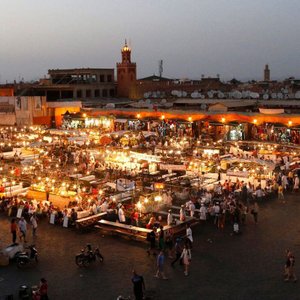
{"x": 105, "y": 140}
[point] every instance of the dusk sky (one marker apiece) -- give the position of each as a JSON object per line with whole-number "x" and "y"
{"x": 233, "y": 38}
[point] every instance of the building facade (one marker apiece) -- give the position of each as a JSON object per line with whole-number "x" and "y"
{"x": 81, "y": 84}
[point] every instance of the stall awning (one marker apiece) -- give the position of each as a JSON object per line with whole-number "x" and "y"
{"x": 234, "y": 123}
{"x": 121, "y": 120}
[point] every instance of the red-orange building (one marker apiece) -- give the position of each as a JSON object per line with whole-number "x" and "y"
{"x": 6, "y": 92}
{"x": 126, "y": 74}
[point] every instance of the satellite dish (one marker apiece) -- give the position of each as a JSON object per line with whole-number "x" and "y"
{"x": 245, "y": 94}
{"x": 203, "y": 106}
{"x": 146, "y": 95}
{"x": 148, "y": 101}
{"x": 274, "y": 96}
{"x": 202, "y": 96}
{"x": 174, "y": 93}
{"x": 237, "y": 95}
{"x": 184, "y": 94}
{"x": 220, "y": 95}
{"x": 168, "y": 105}
{"x": 265, "y": 96}
{"x": 210, "y": 94}
{"x": 110, "y": 105}
{"x": 195, "y": 95}
{"x": 254, "y": 95}
{"x": 163, "y": 101}
{"x": 297, "y": 95}
{"x": 280, "y": 96}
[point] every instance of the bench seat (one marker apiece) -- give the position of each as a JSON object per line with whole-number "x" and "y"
{"x": 90, "y": 220}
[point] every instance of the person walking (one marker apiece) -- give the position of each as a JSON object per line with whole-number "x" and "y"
{"x": 289, "y": 267}
{"x": 43, "y": 290}
{"x": 13, "y": 230}
{"x": 23, "y": 229}
{"x": 33, "y": 221}
{"x": 182, "y": 215}
{"x": 151, "y": 237}
{"x": 254, "y": 212}
{"x": 189, "y": 235}
{"x": 138, "y": 286}
{"x": 221, "y": 219}
{"x": 160, "y": 262}
{"x": 161, "y": 238}
{"x": 178, "y": 251}
{"x": 186, "y": 257}
{"x": 296, "y": 184}
{"x": 280, "y": 194}
{"x": 203, "y": 212}
{"x": 169, "y": 242}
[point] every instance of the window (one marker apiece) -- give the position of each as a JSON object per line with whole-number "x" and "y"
{"x": 104, "y": 93}
{"x": 101, "y": 78}
{"x": 25, "y": 103}
{"x": 97, "y": 93}
{"x": 88, "y": 93}
{"x": 109, "y": 78}
{"x": 79, "y": 93}
{"x": 111, "y": 92}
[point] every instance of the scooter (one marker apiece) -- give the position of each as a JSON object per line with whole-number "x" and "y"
{"x": 24, "y": 258}
{"x": 87, "y": 256}
{"x": 26, "y": 292}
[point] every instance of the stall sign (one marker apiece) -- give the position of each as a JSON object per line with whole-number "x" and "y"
{"x": 159, "y": 185}
{"x": 52, "y": 218}
{"x": 65, "y": 223}
{"x": 143, "y": 156}
{"x": 172, "y": 167}
{"x": 19, "y": 213}
{"x": 211, "y": 151}
{"x": 237, "y": 174}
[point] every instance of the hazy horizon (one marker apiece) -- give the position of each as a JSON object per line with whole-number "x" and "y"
{"x": 193, "y": 37}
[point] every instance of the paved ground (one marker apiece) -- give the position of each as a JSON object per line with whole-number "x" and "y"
{"x": 231, "y": 267}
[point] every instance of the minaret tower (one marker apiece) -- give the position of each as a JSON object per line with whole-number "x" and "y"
{"x": 126, "y": 73}
{"x": 267, "y": 73}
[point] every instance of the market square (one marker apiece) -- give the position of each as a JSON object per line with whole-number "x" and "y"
{"x": 149, "y": 150}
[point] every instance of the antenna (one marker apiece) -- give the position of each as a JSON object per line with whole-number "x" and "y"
{"x": 160, "y": 68}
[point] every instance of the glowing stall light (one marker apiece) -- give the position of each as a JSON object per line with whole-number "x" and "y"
{"x": 157, "y": 198}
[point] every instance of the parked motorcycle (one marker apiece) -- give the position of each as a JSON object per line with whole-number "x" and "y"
{"x": 24, "y": 258}
{"x": 26, "y": 292}
{"x": 88, "y": 256}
